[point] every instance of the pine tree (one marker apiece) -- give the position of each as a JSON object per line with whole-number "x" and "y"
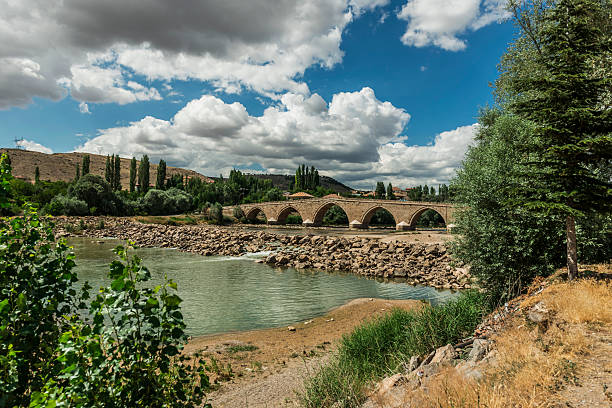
{"x": 36, "y": 175}
{"x": 133, "y": 175}
{"x": 563, "y": 98}
{"x": 161, "y": 175}
{"x": 85, "y": 165}
{"x": 108, "y": 171}
{"x": 117, "y": 174}
{"x": 143, "y": 174}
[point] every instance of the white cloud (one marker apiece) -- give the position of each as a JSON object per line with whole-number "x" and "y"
{"x": 33, "y": 146}
{"x": 90, "y": 47}
{"x": 84, "y": 108}
{"x": 440, "y": 22}
{"x": 355, "y": 137}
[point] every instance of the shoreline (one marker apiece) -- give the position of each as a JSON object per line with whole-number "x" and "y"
{"x": 267, "y": 365}
{"x": 416, "y": 263}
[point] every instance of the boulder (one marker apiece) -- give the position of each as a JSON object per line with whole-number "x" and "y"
{"x": 444, "y": 355}
{"x": 480, "y": 347}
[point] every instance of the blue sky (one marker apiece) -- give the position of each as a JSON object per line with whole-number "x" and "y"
{"x": 364, "y": 90}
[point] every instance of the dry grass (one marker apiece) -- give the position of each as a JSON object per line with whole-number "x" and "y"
{"x": 529, "y": 367}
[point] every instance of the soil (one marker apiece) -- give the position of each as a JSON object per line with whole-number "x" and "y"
{"x": 274, "y": 362}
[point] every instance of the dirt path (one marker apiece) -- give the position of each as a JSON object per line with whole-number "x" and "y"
{"x": 267, "y": 366}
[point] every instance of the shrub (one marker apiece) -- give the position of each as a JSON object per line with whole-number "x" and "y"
{"x": 238, "y": 213}
{"x": 96, "y": 192}
{"x": 215, "y": 213}
{"x": 62, "y": 205}
{"x": 172, "y": 201}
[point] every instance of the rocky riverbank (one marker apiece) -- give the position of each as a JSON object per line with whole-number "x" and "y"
{"x": 424, "y": 264}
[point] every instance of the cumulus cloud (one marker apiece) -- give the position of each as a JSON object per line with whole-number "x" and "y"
{"x": 355, "y": 137}
{"x": 33, "y": 146}
{"x": 89, "y": 46}
{"x": 441, "y": 22}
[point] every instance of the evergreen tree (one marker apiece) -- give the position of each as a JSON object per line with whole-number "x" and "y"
{"x": 133, "y": 172}
{"x": 161, "y": 175}
{"x": 117, "y": 174}
{"x": 108, "y": 171}
{"x": 77, "y": 174}
{"x": 564, "y": 97}
{"x": 380, "y": 190}
{"x": 390, "y": 195}
{"x": 317, "y": 179}
{"x": 37, "y": 175}
{"x": 143, "y": 174}
{"x": 85, "y": 165}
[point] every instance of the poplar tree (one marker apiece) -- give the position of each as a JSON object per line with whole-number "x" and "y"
{"x": 161, "y": 175}
{"x": 117, "y": 173}
{"x": 85, "y": 165}
{"x": 37, "y": 175}
{"x": 390, "y": 195}
{"x": 380, "y": 190}
{"x": 564, "y": 97}
{"x": 133, "y": 172}
{"x": 108, "y": 171}
{"x": 77, "y": 174}
{"x": 143, "y": 174}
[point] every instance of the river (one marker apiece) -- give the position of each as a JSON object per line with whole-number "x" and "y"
{"x": 225, "y": 294}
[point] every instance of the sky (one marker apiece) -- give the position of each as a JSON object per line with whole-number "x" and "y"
{"x": 364, "y": 90}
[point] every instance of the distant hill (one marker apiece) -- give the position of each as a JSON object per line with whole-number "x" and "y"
{"x": 61, "y": 166}
{"x": 284, "y": 181}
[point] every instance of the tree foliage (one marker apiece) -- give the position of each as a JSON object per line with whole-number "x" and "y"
{"x": 143, "y": 174}
{"x": 133, "y": 174}
{"x": 556, "y": 86}
{"x": 85, "y": 164}
{"x": 160, "y": 182}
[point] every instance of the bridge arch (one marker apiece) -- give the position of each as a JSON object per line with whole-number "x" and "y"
{"x": 281, "y": 218}
{"x": 417, "y": 214}
{"x": 252, "y": 213}
{"x": 320, "y": 212}
{"x": 369, "y": 213}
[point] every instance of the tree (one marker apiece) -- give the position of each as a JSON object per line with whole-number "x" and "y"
{"x": 85, "y": 165}
{"x": 96, "y": 192}
{"x": 563, "y": 96}
{"x": 77, "y": 173}
{"x": 505, "y": 246}
{"x": 143, "y": 174}
{"x": 133, "y": 175}
{"x": 117, "y": 173}
{"x": 390, "y": 195}
{"x": 161, "y": 175}
{"x": 380, "y": 190}
{"x": 37, "y": 175}
{"x": 108, "y": 170}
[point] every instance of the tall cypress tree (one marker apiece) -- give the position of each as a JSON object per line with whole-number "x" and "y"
{"x": 133, "y": 172}
{"x": 85, "y": 166}
{"x": 563, "y": 98}
{"x": 117, "y": 173}
{"x": 161, "y": 175}
{"x": 108, "y": 171}
{"x": 143, "y": 174}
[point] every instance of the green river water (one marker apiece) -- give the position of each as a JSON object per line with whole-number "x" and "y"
{"x": 224, "y": 294}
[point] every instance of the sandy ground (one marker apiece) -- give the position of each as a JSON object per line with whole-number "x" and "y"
{"x": 269, "y": 366}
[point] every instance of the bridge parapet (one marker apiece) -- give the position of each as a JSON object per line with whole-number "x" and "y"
{"x": 358, "y": 211}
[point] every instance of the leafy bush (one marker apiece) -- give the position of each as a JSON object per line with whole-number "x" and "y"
{"x": 172, "y": 201}
{"x": 96, "y": 192}
{"x": 381, "y": 345}
{"x": 215, "y": 213}
{"x": 62, "y": 205}
{"x": 505, "y": 246}
{"x": 238, "y": 214}
{"x": 294, "y": 219}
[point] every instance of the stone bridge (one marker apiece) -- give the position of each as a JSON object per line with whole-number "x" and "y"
{"x": 358, "y": 211}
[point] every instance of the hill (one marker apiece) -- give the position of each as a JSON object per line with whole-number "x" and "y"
{"x": 61, "y": 166}
{"x": 283, "y": 182}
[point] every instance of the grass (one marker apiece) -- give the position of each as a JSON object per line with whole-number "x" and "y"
{"x": 532, "y": 368}
{"x": 380, "y": 346}
{"x": 240, "y": 348}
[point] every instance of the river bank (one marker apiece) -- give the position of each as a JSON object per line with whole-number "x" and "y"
{"x": 413, "y": 263}
{"x": 267, "y": 366}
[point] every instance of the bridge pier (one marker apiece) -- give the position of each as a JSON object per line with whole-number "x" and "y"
{"x": 404, "y": 226}
{"x": 310, "y": 223}
{"x": 272, "y": 221}
{"x": 357, "y": 225}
